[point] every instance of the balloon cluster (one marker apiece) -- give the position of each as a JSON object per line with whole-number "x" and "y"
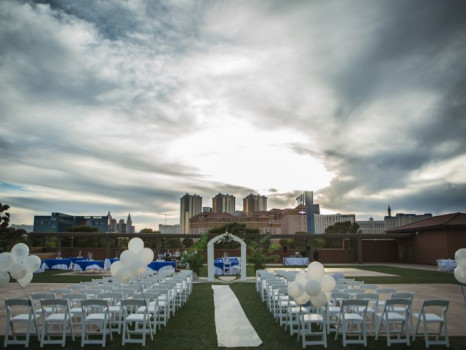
{"x": 19, "y": 264}
{"x": 312, "y": 285}
{"x": 133, "y": 261}
{"x": 460, "y": 270}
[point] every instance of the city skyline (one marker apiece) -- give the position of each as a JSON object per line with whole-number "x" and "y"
{"x": 123, "y": 106}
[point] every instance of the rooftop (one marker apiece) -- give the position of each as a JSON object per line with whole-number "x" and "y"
{"x": 453, "y": 220}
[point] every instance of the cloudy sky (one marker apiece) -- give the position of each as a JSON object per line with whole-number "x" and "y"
{"x": 124, "y": 106}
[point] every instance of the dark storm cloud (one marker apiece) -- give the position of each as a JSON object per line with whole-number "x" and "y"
{"x": 95, "y": 94}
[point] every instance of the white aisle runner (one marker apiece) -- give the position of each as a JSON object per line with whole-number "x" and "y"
{"x": 232, "y": 325}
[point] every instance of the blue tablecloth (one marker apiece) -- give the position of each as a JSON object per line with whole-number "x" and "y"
{"x": 296, "y": 261}
{"x": 83, "y": 265}
{"x": 57, "y": 264}
{"x": 219, "y": 265}
{"x": 74, "y": 259}
{"x": 447, "y": 265}
{"x": 109, "y": 261}
{"x": 160, "y": 266}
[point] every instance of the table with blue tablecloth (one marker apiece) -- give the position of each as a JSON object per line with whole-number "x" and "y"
{"x": 56, "y": 264}
{"x": 83, "y": 265}
{"x": 109, "y": 261}
{"x": 161, "y": 266}
{"x": 447, "y": 265}
{"x": 226, "y": 266}
{"x": 295, "y": 261}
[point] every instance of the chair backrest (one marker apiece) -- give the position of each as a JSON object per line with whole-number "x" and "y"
{"x": 93, "y": 303}
{"x": 54, "y": 302}
{"x": 435, "y": 304}
{"x": 354, "y": 302}
{"x": 18, "y": 302}
{"x": 403, "y": 295}
{"x": 398, "y": 302}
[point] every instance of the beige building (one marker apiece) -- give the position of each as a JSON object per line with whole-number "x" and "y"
{"x": 371, "y": 226}
{"x": 223, "y": 203}
{"x": 273, "y": 222}
{"x": 190, "y": 205}
{"x": 253, "y": 203}
{"x": 294, "y": 220}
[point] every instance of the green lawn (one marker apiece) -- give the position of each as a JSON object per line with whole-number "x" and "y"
{"x": 193, "y": 327}
{"x": 402, "y": 275}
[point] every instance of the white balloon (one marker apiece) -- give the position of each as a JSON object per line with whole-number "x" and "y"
{"x": 147, "y": 255}
{"x": 116, "y": 265}
{"x": 124, "y": 275}
{"x": 302, "y": 299}
{"x": 20, "y": 251}
{"x": 319, "y": 300}
{"x": 460, "y": 257}
{"x": 6, "y": 261}
{"x": 460, "y": 274}
{"x": 18, "y": 271}
{"x": 135, "y": 245}
{"x": 138, "y": 267}
{"x": 328, "y": 283}
{"x": 26, "y": 279}
{"x": 302, "y": 278}
{"x": 32, "y": 262}
{"x": 127, "y": 257}
{"x": 4, "y": 278}
{"x": 315, "y": 270}
{"x": 313, "y": 288}
{"x": 295, "y": 289}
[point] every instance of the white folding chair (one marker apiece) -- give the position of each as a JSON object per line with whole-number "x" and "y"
{"x": 20, "y": 311}
{"x": 152, "y": 308}
{"x": 56, "y": 319}
{"x": 352, "y": 321}
{"x": 384, "y": 294}
{"x": 394, "y": 322}
{"x": 135, "y": 323}
{"x": 114, "y": 308}
{"x": 74, "y": 302}
{"x": 433, "y": 312}
{"x": 314, "y": 324}
{"x": 372, "y": 308}
{"x": 334, "y": 308}
{"x": 95, "y": 321}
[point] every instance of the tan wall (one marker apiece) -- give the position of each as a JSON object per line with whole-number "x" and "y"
{"x": 440, "y": 244}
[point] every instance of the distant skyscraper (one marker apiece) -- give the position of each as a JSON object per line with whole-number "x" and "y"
{"x": 253, "y": 203}
{"x": 190, "y": 205}
{"x": 129, "y": 224}
{"x": 307, "y": 199}
{"x": 223, "y": 203}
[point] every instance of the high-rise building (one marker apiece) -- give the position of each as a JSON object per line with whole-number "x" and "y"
{"x": 307, "y": 199}
{"x": 190, "y": 205}
{"x": 59, "y": 222}
{"x": 129, "y": 224}
{"x": 253, "y": 203}
{"x": 223, "y": 203}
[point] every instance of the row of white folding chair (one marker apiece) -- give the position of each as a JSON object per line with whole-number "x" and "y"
{"x": 20, "y": 313}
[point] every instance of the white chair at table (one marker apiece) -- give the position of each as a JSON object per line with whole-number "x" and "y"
{"x": 20, "y": 311}
{"x": 429, "y": 314}
{"x": 226, "y": 266}
{"x": 372, "y": 309}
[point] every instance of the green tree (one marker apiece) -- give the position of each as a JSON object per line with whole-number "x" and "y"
{"x": 345, "y": 227}
{"x": 259, "y": 255}
{"x": 235, "y": 228}
{"x": 146, "y": 230}
{"x": 188, "y": 242}
{"x": 173, "y": 243}
{"x": 195, "y": 255}
{"x": 9, "y": 236}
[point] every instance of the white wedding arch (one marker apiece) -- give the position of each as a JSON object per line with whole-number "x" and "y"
{"x": 210, "y": 254}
